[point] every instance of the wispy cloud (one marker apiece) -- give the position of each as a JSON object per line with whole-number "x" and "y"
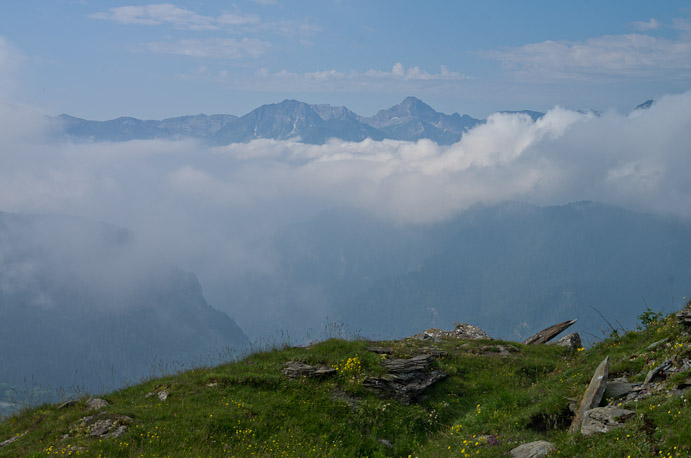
{"x": 399, "y": 77}
{"x": 652, "y": 24}
{"x": 629, "y": 55}
{"x": 10, "y": 61}
{"x": 215, "y": 48}
{"x": 157, "y": 14}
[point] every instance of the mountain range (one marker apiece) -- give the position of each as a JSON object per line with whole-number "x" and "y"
{"x": 411, "y": 120}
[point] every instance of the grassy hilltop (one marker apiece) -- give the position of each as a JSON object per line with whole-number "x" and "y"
{"x": 497, "y": 396}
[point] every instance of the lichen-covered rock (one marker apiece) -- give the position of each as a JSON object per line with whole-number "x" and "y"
{"x": 617, "y": 388}
{"x": 537, "y": 449}
{"x": 604, "y": 419}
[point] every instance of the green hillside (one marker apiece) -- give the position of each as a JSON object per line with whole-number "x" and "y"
{"x": 496, "y": 396}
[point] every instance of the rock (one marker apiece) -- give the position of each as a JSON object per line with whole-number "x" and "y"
{"x": 654, "y": 345}
{"x": 617, "y": 389}
{"x": 67, "y": 404}
{"x": 96, "y": 403}
{"x": 593, "y": 394}
{"x": 659, "y": 371}
{"x": 295, "y": 369}
{"x": 548, "y": 334}
{"x": 380, "y": 350}
{"x": 604, "y": 419}
{"x": 406, "y": 378}
{"x": 109, "y": 427}
{"x": 11, "y": 439}
{"x": 163, "y": 395}
{"x": 469, "y": 332}
{"x": 462, "y": 331}
{"x": 684, "y": 317}
{"x": 571, "y": 341}
{"x": 536, "y": 449}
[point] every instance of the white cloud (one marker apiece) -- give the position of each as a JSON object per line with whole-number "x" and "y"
{"x": 637, "y": 55}
{"x": 652, "y": 24}
{"x": 238, "y": 19}
{"x": 157, "y": 14}
{"x": 217, "y": 48}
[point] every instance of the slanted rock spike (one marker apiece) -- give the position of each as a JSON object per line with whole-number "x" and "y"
{"x": 593, "y": 394}
{"x": 549, "y": 333}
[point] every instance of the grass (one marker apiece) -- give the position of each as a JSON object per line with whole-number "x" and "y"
{"x": 489, "y": 404}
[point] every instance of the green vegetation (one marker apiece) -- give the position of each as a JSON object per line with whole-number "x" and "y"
{"x": 497, "y": 396}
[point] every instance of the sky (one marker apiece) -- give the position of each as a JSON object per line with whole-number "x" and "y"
{"x": 104, "y": 59}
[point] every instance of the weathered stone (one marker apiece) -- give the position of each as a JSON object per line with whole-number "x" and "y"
{"x": 617, "y": 389}
{"x": 295, "y": 369}
{"x": 549, "y": 333}
{"x": 67, "y": 404}
{"x": 465, "y": 331}
{"x": 96, "y": 403}
{"x": 100, "y": 427}
{"x": 537, "y": 449}
{"x": 462, "y": 331}
{"x": 163, "y": 395}
{"x": 593, "y": 394}
{"x": 684, "y": 316}
{"x": 659, "y": 371}
{"x": 657, "y": 344}
{"x": 117, "y": 432}
{"x": 571, "y": 341}
{"x": 604, "y": 419}
{"x": 11, "y": 439}
{"x": 380, "y": 350}
{"x": 406, "y": 378}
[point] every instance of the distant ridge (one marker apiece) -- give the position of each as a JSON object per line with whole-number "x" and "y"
{"x": 410, "y": 120}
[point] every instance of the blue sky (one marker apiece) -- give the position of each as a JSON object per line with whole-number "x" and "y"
{"x": 103, "y": 59}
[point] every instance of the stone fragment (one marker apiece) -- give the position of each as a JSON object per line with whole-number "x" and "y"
{"x": 537, "y": 449}
{"x": 96, "y": 403}
{"x": 110, "y": 427}
{"x": 604, "y": 419}
{"x": 100, "y": 427}
{"x": 654, "y": 345}
{"x": 684, "y": 316}
{"x": 659, "y": 371}
{"x": 549, "y": 333}
{"x": 11, "y": 439}
{"x": 571, "y": 341}
{"x": 593, "y": 394}
{"x": 162, "y": 395}
{"x": 67, "y": 404}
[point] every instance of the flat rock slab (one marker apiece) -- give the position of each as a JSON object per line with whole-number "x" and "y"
{"x": 617, "y": 389}
{"x": 537, "y": 449}
{"x": 604, "y": 419}
{"x": 659, "y": 371}
{"x": 549, "y": 333}
{"x": 109, "y": 427}
{"x": 295, "y": 369}
{"x": 593, "y": 394}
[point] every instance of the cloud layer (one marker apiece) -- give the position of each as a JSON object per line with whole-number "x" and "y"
{"x": 211, "y": 210}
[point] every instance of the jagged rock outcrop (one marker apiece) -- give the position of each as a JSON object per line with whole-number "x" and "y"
{"x": 406, "y": 378}
{"x": 549, "y": 333}
{"x": 537, "y": 449}
{"x": 295, "y": 369}
{"x": 604, "y": 419}
{"x": 593, "y": 394}
{"x": 684, "y": 317}
{"x": 462, "y": 331}
{"x": 96, "y": 403}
